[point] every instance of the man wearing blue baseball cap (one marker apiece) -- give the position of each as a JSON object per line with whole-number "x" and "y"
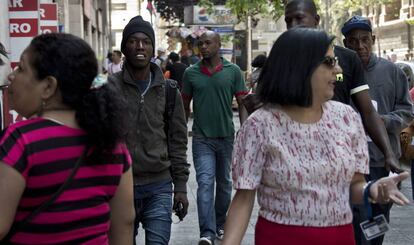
{"x": 389, "y": 92}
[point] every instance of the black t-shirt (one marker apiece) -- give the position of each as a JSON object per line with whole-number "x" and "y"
{"x": 353, "y": 78}
{"x": 177, "y": 72}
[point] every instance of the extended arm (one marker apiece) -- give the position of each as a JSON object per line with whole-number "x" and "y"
{"x": 382, "y": 191}
{"x": 186, "y": 103}
{"x": 177, "y": 152}
{"x": 187, "y": 93}
{"x": 238, "y": 216}
{"x": 12, "y": 185}
{"x": 123, "y": 212}
{"x": 242, "y": 110}
{"x": 375, "y": 128}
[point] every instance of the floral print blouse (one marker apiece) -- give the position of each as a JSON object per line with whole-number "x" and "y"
{"x": 302, "y": 172}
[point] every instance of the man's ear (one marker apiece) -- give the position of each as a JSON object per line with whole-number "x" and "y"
{"x": 373, "y": 39}
{"x": 50, "y": 87}
{"x": 345, "y": 43}
{"x": 317, "y": 20}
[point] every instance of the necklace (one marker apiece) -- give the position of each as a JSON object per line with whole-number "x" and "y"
{"x": 148, "y": 86}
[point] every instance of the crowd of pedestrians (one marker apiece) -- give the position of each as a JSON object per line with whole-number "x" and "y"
{"x": 99, "y": 156}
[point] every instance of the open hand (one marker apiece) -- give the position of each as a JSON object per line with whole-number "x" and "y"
{"x": 385, "y": 190}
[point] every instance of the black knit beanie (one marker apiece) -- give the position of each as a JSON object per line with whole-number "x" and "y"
{"x": 137, "y": 24}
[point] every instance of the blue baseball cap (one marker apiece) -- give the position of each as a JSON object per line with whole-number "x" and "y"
{"x": 356, "y": 22}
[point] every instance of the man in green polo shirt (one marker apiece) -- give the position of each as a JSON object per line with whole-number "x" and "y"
{"x": 212, "y": 83}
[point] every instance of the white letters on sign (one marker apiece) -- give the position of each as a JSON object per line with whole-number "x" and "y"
{"x": 20, "y": 28}
{"x": 42, "y": 13}
{"x": 15, "y": 3}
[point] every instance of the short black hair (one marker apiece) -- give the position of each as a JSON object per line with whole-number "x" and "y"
{"x": 3, "y": 52}
{"x": 174, "y": 57}
{"x": 259, "y": 61}
{"x": 308, "y": 4}
{"x": 185, "y": 60}
{"x": 286, "y": 75}
{"x": 119, "y": 53}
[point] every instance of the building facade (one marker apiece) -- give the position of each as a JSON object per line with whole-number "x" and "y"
{"x": 394, "y": 28}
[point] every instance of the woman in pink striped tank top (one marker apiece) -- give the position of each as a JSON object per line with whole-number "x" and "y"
{"x": 67, "y": 115}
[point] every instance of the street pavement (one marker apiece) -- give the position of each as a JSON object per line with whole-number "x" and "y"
{"x": 187, "y": 231}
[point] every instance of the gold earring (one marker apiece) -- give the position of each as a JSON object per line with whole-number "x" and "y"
{"x": 42, "y": 108}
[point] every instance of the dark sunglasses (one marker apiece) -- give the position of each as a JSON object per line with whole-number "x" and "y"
{"x": 330, "y": 61}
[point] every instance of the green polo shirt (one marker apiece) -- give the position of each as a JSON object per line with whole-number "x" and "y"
{"x": 212, "y": 96}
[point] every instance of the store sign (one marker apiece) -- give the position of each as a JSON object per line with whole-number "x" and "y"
{"x": 48, "y": 18}
{"x": 23, "y": 5}
{"x": 23, "y": 26}
{"x": 223, "y": 29}
{"x": 196, "y": 15}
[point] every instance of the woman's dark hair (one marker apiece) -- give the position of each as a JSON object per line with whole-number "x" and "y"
{"x": 119, "y": 53}
{"x": 109, "y": 56}
{"x": 73, "y": 63}
{"x": 2, "y": 52}
{"x": 286, "y": 76}
{"x": 259, "y": 61}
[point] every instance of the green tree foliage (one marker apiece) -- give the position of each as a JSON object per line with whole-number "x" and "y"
{"x": 244, "y": 8}
{"x": 354, "y": 5}
{"x": 335, "y": 13}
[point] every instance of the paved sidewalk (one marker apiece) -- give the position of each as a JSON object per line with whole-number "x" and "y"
{"x": 187, "y": 232}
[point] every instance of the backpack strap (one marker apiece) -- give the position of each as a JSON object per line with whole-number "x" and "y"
{"x": 170, "y": 97}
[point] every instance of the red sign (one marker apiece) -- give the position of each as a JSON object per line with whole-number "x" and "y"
{"x": 48, "y": 11}
{"x": 23, "y": 27}
{"x": 48, "y": 29}
{"x": 23, "y": 5}
{"x": 48, "y": 18}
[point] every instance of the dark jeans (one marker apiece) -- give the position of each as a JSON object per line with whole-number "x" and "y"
{"x": 153, "y": 207}
{"x": 360, "y": 212}
{"x": 212, "y": 160}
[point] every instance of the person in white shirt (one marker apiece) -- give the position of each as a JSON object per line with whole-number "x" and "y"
{"x": 116, "y": 64}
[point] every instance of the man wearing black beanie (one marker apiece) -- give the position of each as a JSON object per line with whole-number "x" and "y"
{"x": 159, "y": 163}
{"x": 137, "y": 24}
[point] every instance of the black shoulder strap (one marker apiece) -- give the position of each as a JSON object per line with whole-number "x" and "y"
{"x": 170, "y": 97}
{"x": 47, "y": 203}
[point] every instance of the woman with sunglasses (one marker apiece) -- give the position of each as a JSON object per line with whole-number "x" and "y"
{"x": 304, "y": 154}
